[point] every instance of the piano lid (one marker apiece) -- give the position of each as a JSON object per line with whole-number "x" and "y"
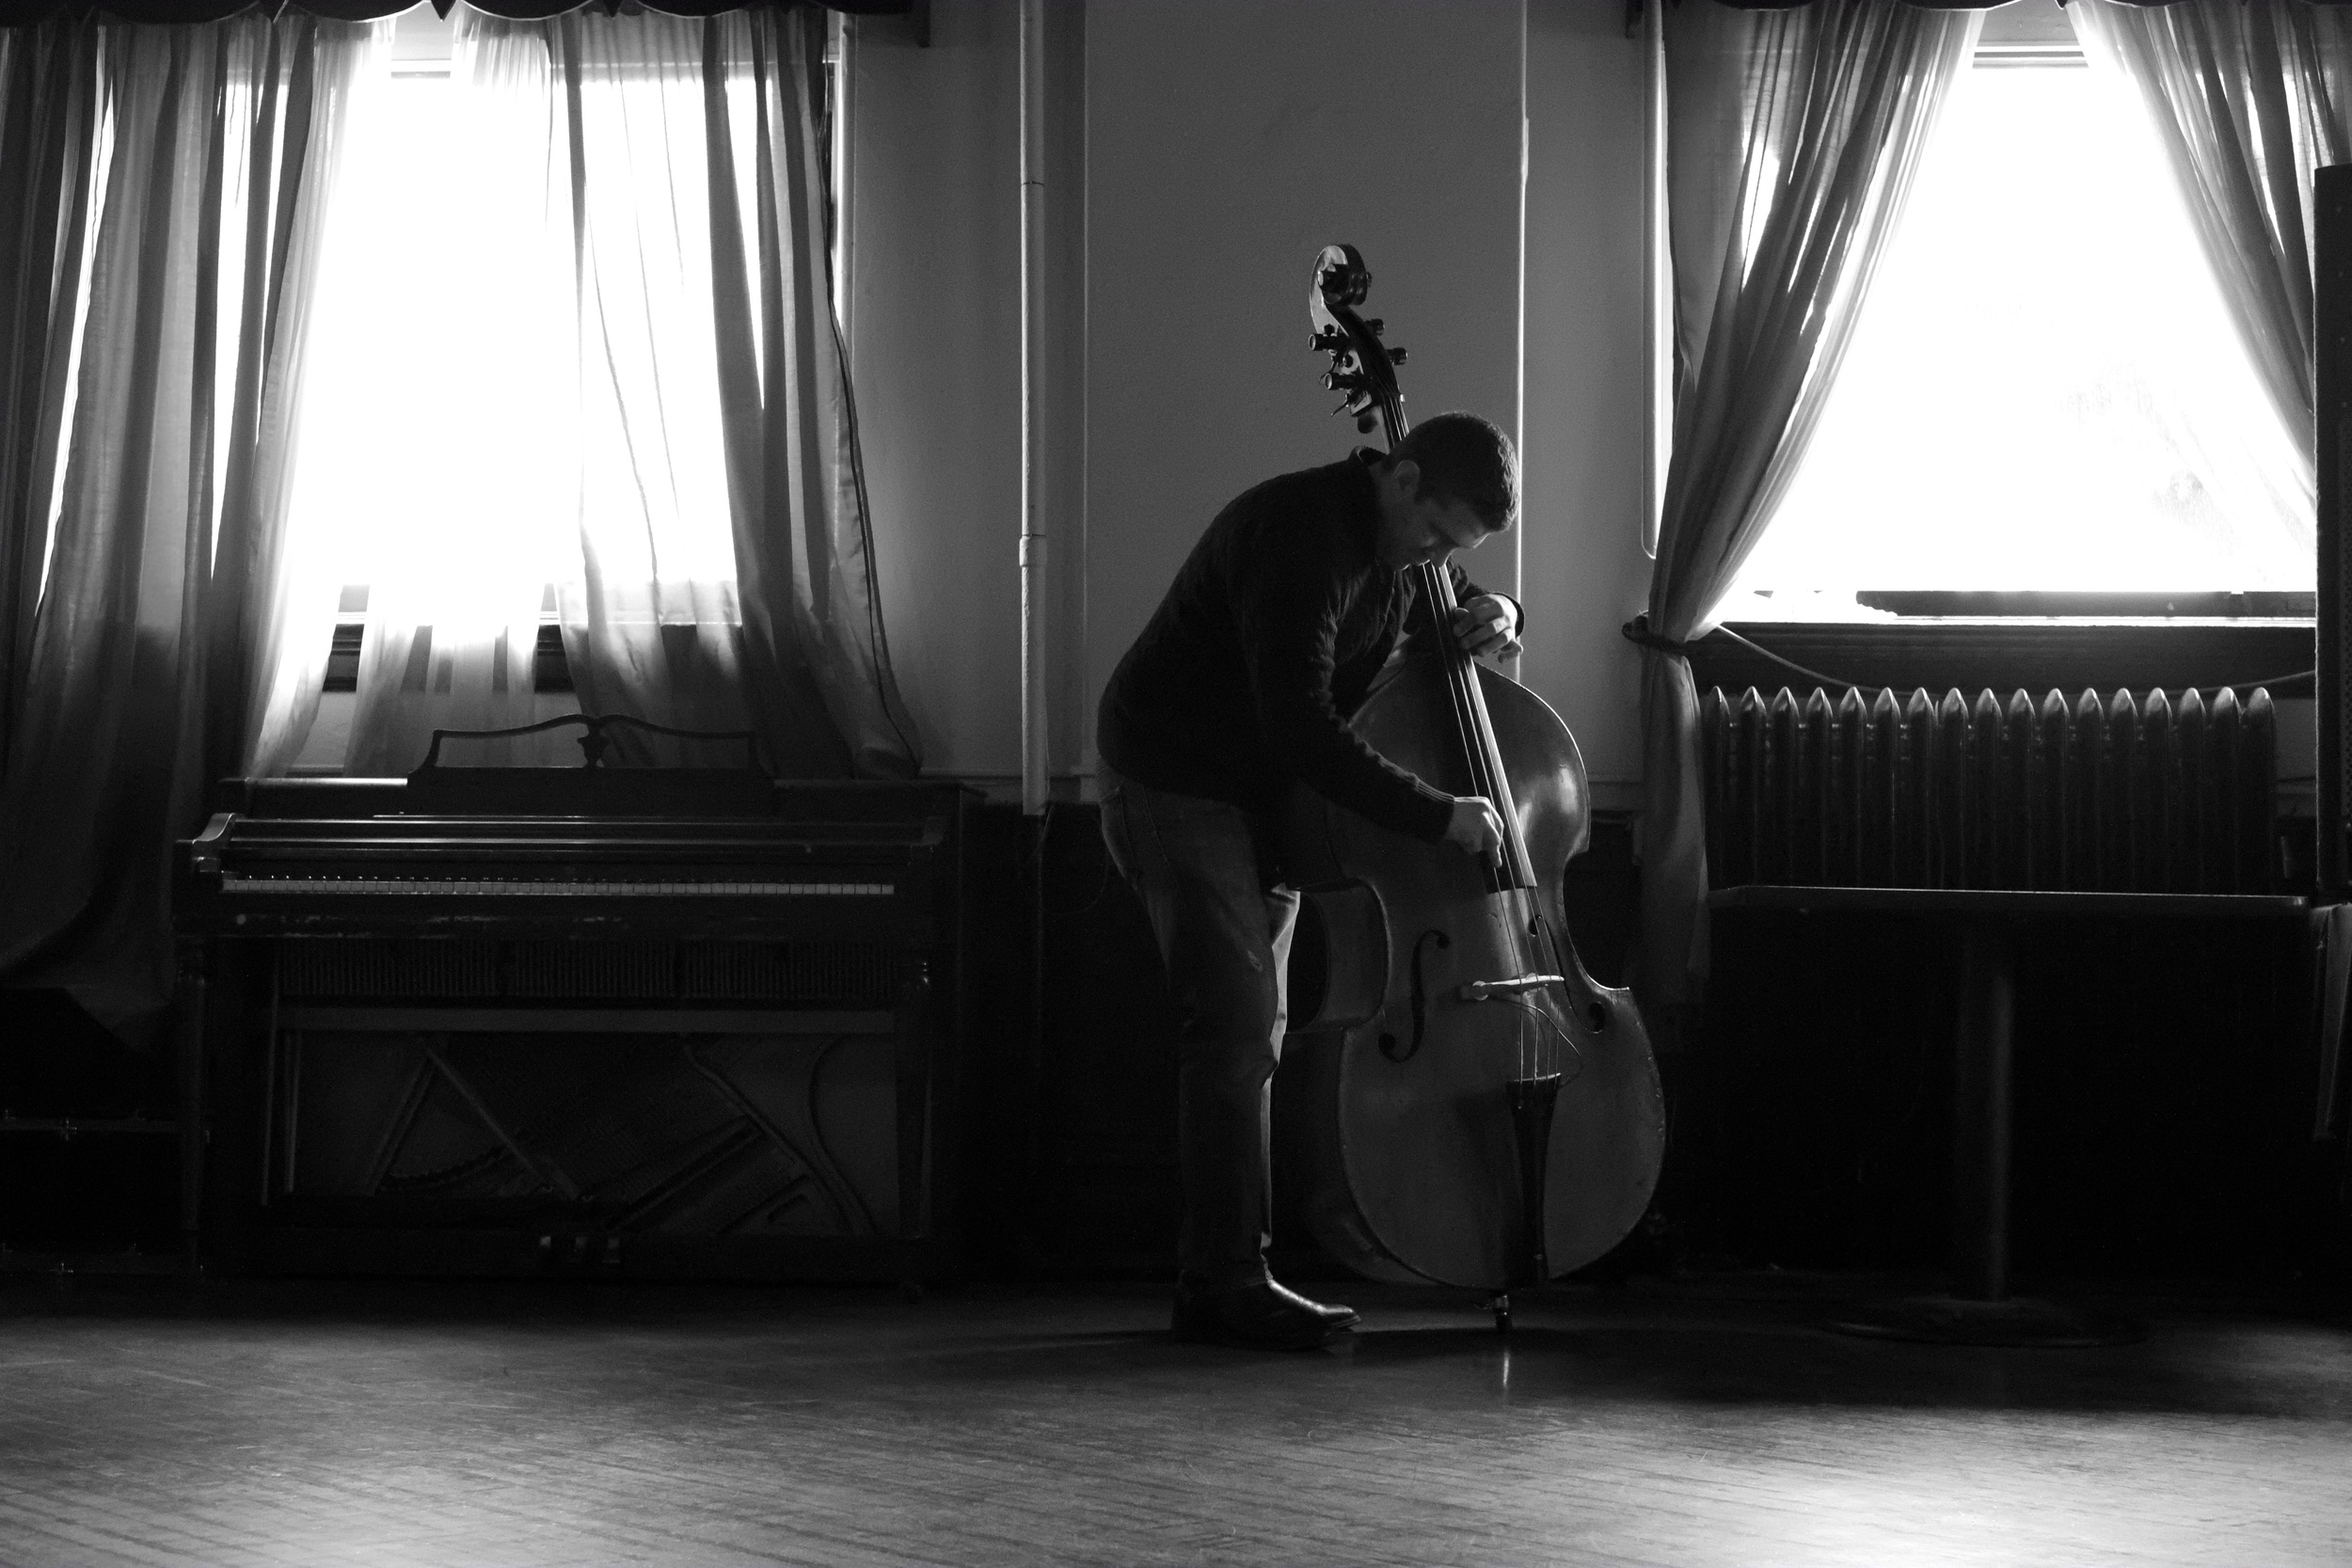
{"x": 592, "y": 790}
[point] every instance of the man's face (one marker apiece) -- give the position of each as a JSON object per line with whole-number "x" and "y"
{"x": 1418, "y": 528}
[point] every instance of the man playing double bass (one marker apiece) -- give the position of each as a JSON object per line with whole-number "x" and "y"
{"x": 1240, "y": 686}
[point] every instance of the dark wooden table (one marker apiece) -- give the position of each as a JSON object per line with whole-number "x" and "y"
{"x": 1985, "y": 926}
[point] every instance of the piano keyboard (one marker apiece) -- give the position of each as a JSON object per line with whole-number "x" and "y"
{"x": 496, "y": 888}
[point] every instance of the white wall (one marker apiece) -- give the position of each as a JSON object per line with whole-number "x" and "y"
{"x": 935, "y": 359}
{"x": 1228, "y": 142}
{"x": 1587, "y": 410}
{"x": 1224, "y": 142}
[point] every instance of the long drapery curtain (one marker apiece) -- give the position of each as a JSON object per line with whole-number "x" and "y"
{"x": 174, "y": 181}
{"x": 803, "y": 549}
{"x": 1792, "y": 138}
{"x": 652, "y": 622}
{"x": 2247, "y": 98}
{"x": 49, "y": 150}
{"x": 688, "y": 483}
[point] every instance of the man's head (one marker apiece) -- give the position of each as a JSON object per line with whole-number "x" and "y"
{"x": 1449, "y": 484}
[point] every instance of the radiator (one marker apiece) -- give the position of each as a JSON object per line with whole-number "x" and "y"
{"x": 2157, "y": 794}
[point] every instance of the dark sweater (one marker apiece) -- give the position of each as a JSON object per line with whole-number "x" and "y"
{"x": 1267, "y": 643}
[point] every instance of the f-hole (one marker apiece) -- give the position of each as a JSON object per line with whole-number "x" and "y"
{"x": 1388, "y": 1047}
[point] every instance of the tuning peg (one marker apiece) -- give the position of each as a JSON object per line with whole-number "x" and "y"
{"x": 1396, "y": 357}
{"x": 1375, "y": 326}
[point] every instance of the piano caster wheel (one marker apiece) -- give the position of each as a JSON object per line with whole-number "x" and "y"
{"x": 1501, "y": 1306}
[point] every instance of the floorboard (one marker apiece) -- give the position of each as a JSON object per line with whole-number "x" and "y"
{"x": 1691, "y": 1422}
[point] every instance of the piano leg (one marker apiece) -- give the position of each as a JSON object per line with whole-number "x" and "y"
{"x": 190, "y": 992}
{"x": 914, "y": 1127}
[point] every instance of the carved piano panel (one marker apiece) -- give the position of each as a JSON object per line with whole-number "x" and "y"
{"x": 771, "y": 1134}
{"x": 634, "y": 1023}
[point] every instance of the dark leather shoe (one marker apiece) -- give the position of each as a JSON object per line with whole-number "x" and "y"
{"x": 1261, "y": 1316}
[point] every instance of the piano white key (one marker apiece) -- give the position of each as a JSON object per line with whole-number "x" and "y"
{"x": 236, "y": 882}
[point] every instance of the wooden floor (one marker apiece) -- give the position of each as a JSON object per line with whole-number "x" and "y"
{"x": 1701, "y": 1423}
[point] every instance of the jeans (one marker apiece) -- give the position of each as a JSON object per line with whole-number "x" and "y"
{"x": 1225, "y": 943}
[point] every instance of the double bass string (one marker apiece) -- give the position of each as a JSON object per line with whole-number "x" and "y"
{"x": 1517, "y": 920}
{"x": 1436, "y": 595}
{"x": 1511, "y": 905}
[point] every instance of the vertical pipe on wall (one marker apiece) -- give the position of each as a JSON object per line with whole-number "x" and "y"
{"x": 1657, "y": 285}
{"x": 1035, "y": 586}
{"x": 842, "y": 153}
{"x": 2331, "y": 202}
{"x": 1519, "y": 335}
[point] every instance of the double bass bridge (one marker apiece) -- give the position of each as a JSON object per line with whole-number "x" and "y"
{"x": 1519, "y": 985}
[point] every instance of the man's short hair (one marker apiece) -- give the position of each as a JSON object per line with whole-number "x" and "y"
{"x": 1468, "y": 459}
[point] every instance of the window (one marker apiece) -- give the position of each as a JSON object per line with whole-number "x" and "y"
{"x": 469, "y": 461}
{"x": 2043, "y": 393}
{"x": 439, "y": 360}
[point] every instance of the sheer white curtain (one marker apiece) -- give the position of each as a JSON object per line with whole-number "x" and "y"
{"x": 2248, "y": 97}
{"x": 444, "y": 471}
{"x": 726, "y": 567}
{"x": 49, "y": 162}
{"x": 652, "y": 627}
{"x": 822, "y": 692}
{"x": 1791, "y": 142}
{"x": 266, "y": 639}
{"x": 633, "y": 391}
{"x": 174, "y": 309}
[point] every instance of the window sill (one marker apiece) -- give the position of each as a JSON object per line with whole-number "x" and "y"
{"x": 549, "y": 670}
{"x": 2007, "y": 654}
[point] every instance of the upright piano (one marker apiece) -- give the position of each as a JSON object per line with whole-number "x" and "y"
{"x": 620, "y": 1022}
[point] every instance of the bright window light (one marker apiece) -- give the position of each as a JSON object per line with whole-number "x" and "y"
{"x": 458, "y": 435}
{"x": 439, "y": 394}
{"x": 2043, "y": 392}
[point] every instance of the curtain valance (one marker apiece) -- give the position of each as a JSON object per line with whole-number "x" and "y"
{"x": 1936, "y": 4}
{"x": 21, "y": 13}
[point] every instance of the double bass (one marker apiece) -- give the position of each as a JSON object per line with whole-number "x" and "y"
{"x": 1464, "y": 1104}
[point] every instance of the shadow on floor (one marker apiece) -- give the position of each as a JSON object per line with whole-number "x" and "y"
{"x": 1740, "y": 1342}
{"x": 2198, "y": 1364}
